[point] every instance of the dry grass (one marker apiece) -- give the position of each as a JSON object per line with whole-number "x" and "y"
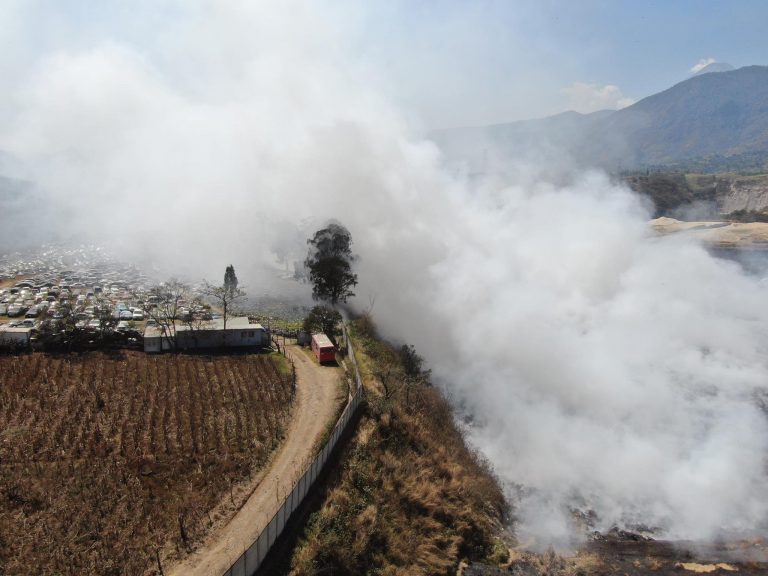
{"x": 105, "y": 460}
{"x": 410, "y": 498}
{"x": 8, "y": 282}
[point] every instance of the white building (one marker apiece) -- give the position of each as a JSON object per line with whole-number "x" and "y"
{"x": 210, "y": 334}
{"x": 14, "y": 337}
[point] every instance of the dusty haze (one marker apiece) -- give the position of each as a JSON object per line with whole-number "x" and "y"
{"x": 603, "y": 369}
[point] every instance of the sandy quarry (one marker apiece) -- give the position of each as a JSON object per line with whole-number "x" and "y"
{"x": 721, "y": 234}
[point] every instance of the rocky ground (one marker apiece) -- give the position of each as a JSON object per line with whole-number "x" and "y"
{"x": 625, "y": 553}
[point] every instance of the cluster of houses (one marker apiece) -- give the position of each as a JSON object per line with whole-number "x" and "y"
{"x": 83, "y": 290}
{"x": 55, "y": 286}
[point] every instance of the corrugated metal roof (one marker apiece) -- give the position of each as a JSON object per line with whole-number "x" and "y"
{"x": 15, "y": 329}
{"x": 237, "y": 323}
{"x": 322, "y": 340}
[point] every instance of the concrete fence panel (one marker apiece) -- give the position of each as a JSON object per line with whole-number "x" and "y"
{"x": 315, "y": 468}
{"x": 238, "y": 568}
{"x": 304, "y": 482}
{"x": 271, "y": 531}
{"x": 300, "y": 488}
{"x": 307, "y": 481}
{"x": 296, "y": 499}
{"x": 252, "y": 560}
{"x": 280, "y": 520}
{"x": 262, "y": 544}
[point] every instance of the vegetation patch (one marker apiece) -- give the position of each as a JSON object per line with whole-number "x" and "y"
{"x": 106, "y": 459}
{"x": 747, "y": 216}
{"x": 282, "y": 363}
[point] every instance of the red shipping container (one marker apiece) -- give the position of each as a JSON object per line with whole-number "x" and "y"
{"x": 323, "y": 348}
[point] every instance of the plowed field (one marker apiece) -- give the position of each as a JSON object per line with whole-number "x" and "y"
{"x": 105, "y": 459}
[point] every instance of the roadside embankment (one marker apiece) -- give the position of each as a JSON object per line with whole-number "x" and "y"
{"x": 408, "y": 496}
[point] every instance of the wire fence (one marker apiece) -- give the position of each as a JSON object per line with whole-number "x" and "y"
{"x": 250, "y": 560}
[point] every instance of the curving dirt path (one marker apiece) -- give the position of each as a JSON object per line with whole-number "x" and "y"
{"x": 316, "y": 400}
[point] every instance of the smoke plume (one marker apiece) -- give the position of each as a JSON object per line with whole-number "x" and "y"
{"x": 602, "y": 369}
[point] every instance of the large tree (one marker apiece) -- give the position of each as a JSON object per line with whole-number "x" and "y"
{"x": 165, "y": 303}
{"x": 329, "y": 262}
{"x": 230, "y": 278}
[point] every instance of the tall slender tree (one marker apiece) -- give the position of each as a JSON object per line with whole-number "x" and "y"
{"x": 226, "y": 295}
{"x": 230, "y": 278}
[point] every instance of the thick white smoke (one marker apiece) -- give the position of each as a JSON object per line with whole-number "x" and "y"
{"x": 605, "y": 369}
{"x": 608, "y": 370}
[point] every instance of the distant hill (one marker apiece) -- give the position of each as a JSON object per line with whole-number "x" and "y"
{"x": 490, "y": 148}
{"x": 711, "y": 116}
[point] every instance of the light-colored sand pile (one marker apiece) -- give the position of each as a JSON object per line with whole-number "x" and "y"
{"x": 722, "y": 234}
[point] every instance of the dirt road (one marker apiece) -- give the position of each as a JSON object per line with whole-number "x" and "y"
{"x": 316, "y": 399}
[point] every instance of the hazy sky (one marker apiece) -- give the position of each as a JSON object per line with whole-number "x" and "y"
{"x": 456, "y": 62}
{"x": 490, "y": 61}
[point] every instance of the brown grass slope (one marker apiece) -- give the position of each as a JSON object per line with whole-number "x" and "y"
{"x": 106, "y": 460}
{"x": 410, "y": 497}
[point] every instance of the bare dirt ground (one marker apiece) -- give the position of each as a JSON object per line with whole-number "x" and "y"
{"x": 632, "y": 555}
{"x": 721, "y": 234}
{"x": 8, "y": 282}
{"x": 316, "y": 400}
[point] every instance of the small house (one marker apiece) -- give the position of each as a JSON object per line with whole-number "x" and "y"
{"x": 18, "y": 337}
{"x": 240, "y": 333}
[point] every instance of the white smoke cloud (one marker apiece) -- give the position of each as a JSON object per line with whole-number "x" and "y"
{"x": 609, "y": 371}
{"x": 584, "y": 97}
{"x": 701, "y": 64}
{"x": 603, "y": 368}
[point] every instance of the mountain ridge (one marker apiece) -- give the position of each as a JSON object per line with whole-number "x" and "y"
{"x": 714, "y": 114}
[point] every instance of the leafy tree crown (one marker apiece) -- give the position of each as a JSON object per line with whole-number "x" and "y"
{"x": 329, "y": 262}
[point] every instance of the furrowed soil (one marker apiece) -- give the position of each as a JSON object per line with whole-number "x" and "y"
{"x": 110, "y": 463}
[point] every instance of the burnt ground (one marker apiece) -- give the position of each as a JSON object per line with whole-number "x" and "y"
{"x": 630, "y": 554}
